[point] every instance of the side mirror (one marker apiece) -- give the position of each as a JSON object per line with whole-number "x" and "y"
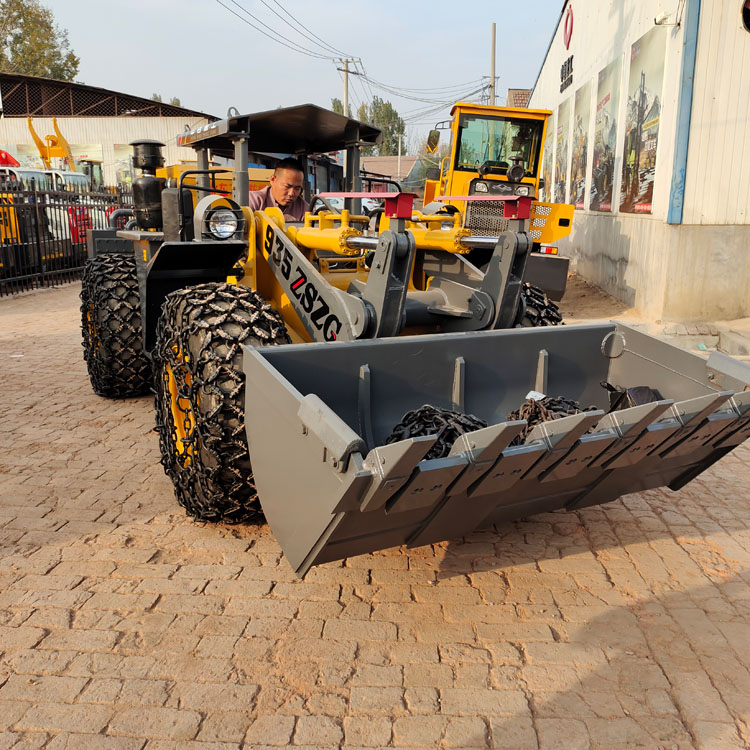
{"x": 433, "y": 138}
{"x": 432, "y": 173}
{"x": 541, "y": 183}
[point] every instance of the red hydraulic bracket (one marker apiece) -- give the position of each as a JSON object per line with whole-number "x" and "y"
{"x": 397, "y": 205}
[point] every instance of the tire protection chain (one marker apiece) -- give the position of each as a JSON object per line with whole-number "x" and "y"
{"x": 199, "y": 338}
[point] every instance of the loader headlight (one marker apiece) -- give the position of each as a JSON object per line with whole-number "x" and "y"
{"x": 515, "y": 173}
{"x": 222, "y": 223}
{"x": 481, "y": 187}
{"x": 522, "y": 190}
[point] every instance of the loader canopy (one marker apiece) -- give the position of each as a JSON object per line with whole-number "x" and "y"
{"x": 305, "y": 128}
{"x": 317, "y": 416}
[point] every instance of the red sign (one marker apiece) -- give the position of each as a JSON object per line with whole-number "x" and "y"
{"x": 568, "y": 30}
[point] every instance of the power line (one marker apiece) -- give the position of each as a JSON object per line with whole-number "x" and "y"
{"x": 303, "y": 32}
{"x": 295, "y": 47}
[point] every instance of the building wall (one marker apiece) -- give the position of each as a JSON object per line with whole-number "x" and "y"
{"x": 692, "y": 271}
{"x": 106, "y": 132}
{"x": 717, "y": 189}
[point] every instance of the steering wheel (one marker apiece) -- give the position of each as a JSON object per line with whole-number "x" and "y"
{"x": 326, "y": 205}
{"x": 489, "y": 165}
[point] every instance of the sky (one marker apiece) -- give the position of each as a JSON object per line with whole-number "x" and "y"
{"x": 206, "y": 52}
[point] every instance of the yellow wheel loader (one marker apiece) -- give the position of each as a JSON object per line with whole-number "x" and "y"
{"x": 365, "y": 388}
{"x": 494, "y": 153}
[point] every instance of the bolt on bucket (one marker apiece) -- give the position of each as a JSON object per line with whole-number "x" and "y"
{"x": 318, "y": 417}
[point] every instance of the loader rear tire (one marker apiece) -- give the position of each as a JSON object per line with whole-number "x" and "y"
{"x": 111, "y": 327}
{"x": 537, "y": 309}
{"x": 200, "y": 396}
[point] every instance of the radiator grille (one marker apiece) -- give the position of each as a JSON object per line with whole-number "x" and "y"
{"x": 486, "y": 217}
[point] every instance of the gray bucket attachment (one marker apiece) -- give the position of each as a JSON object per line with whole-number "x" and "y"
{"x": 318, "y": 415}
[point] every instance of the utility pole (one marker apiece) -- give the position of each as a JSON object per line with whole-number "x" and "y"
{"x": 492, "y": 69}
{"x": 345, "y": 70}
{"x": 346, "y": 87}
{"x": 398, "y": 168}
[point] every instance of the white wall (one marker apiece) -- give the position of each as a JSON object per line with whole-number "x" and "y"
{"x": 717, "y": 189}
{"x": 696, "y": 270}
{"x": 106, "y": 131}
{"x": 603, "y": 30}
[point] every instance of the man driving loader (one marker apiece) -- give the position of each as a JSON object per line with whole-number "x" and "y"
{"x": 284, "y": 192}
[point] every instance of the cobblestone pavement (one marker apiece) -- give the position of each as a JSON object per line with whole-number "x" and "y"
{"x": 124, "y": 625}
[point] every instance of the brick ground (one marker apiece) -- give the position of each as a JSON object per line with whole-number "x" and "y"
{"x": 124, "y": 625}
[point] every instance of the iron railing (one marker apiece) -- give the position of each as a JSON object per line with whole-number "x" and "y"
{"x": 43, "y": 233}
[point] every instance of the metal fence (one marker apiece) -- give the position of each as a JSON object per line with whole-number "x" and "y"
{"x": 43, "y": 233}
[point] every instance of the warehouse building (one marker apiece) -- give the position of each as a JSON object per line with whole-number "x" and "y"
{"x": 650, "y": 140}
{"x": 97, "y": 123}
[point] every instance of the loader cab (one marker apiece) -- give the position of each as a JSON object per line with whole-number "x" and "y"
{"x": 494, "y": 151}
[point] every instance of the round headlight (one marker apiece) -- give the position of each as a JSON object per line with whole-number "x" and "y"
{"x": 222, "y": 223}
{"x": 480, "y": 187}
{"x": 522, "y": 190}
{"x": 516, "y": 173}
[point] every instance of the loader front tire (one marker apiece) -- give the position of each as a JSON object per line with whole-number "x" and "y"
{"x": 200, "y": 396}
{"x": 111, "y": 327}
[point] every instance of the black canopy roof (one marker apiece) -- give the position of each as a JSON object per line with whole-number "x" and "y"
{"x": 306, "y": 128}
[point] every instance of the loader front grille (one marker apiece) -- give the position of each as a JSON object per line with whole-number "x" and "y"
{"x": 486, "y": 217}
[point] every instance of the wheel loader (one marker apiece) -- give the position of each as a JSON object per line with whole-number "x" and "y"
{"x": 374, "y": 377}
{"x": 496, "y": 152}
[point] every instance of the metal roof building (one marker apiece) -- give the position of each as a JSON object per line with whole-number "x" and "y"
{"x": 97, "y": 123}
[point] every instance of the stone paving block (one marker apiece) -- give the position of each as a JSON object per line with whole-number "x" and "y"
{"x": 274, "y": 731}
{"x": 463, "y": 701}
{"x": 63, "y": 717}
{"x": 418, "y": 730}
{"x": 48, "y": 689}
{"x": 367, "y": 732}
{"x": 167, "y": 723}
{"x": 317, "y": 730}
{"x": 77, "y": 741}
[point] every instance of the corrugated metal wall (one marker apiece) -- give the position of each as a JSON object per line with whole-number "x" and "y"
{"x": 717, "y": 189}
{"x": 106, "y": 131}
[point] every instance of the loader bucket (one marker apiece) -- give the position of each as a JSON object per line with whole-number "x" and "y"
{"x": 318, "y": 415}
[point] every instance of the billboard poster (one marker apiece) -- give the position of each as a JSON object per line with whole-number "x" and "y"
{"x": 580, "y": 144}
{"x": 85, "y": 152}
{"x": 123, "y": 168}
{"x": 545, "y": 193}
{"x": 28, "y": 156}
{"x": 642, "y": 122}
{"x": 605, "y": 135}
{"x": 561, "y": 154}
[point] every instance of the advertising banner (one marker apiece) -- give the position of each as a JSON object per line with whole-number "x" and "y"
{"x": 545, "y": 193}
{"x": 85, "y": 152}
{"x": 642, "y": 121}
{"x": 123, "y": 168}
{"x": 581, "y": 116}
{"x": 561, "y": 155}
{"x": 605, "y": 135}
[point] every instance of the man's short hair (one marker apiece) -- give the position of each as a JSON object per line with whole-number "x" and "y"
{"x": 289, "y": 164}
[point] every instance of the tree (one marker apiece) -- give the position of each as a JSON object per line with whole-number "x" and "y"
{"x": 338, "y": 106}
{"x": 31, "y": 43}
{"x": 381, "y": 114}
{"x": 174, "y": 101}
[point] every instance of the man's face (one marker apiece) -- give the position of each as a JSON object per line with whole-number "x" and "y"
{"x": 286, "y": 186}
